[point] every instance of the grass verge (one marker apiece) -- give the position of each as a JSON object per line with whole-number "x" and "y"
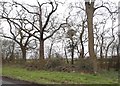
{"x": 48, "y": 77}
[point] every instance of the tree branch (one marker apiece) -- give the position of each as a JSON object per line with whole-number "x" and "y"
{"x": 26, "y": 8}
{"x": 102, "y": 6}
{"x": 55, "y": 31}
{"x": 48, "y": 18}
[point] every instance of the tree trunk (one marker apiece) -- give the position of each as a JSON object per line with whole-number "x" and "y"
{"x": 90, "y": 12}
{"x": 23, "y": 53}
{"x": 82, "y": 52}
{"x": 106, "y": 54}
{"x": 81, "y": 41}
{"x": 41, "y": 50}
{"x": 101, "y": 47}
{"x": 72, "y": 53}
{"x": 72, "y": 60}
{"x": 41, "y": 40}
{"x": 78, "y": 52}
{"x": 50, "y": 50}
{"x": 66, "y": 56}
{"x": 118, "y": 54}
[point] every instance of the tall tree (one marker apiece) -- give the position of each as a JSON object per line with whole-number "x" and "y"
{"x": 20, "y": 38}
{"x": 89, "y": 12}
{"x": 72, "y": 43}
{"x": 41, "y": 21}
{"x": 81, "y": 40}
{"x": 16, "y": 34}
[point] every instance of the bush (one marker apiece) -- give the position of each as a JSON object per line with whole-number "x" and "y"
{"x": 54, "y": 64}
{"x": 35, "y": 65}
{"x": 84, "y": 65}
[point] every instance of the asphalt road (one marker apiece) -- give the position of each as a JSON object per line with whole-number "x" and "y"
{"x": 7, "y": 82}
{"x": 14, "y": 82}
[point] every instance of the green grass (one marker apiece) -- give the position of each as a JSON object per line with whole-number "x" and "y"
{"x": 48, "y": 77}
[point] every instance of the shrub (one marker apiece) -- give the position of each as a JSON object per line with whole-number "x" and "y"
{"x": 84, "y": 65}
{"x": 35, "y": 65}
{"x": 54, "y": 64}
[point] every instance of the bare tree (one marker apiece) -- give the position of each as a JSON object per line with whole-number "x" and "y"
{"x": 7, "y": 49}
{"x": 17, "y": 35}
{"x": 109, "y": 44}
{"x": 43, "y": 24}
{"x": 90, "y": 10}
{"x": 72, "y": 43}
{"x": 51, "y": 47}
{"x": 21, "y": 38}
{"x": 81, "y": 40}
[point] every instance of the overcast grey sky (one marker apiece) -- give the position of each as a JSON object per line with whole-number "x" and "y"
{"x": 67, "y": 1}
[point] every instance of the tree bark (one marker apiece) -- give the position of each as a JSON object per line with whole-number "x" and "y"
{"x": 41, "y": 50}
{"x": 66, "y": 56}
{"x": 23, "y": 53}
{"x": 51, "y": 46}
{"x": 72, "y": 52}
{"x": 81, "y": 41}
{"x": 101, "y": 47}
{"x": 118, "y": 54}
{"x": 106, "y": 54}
{"x": 90, "y": 11}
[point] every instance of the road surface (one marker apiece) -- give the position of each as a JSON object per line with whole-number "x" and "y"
{"x": 7, "y": 82}
{"x": 13, "y": 82}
